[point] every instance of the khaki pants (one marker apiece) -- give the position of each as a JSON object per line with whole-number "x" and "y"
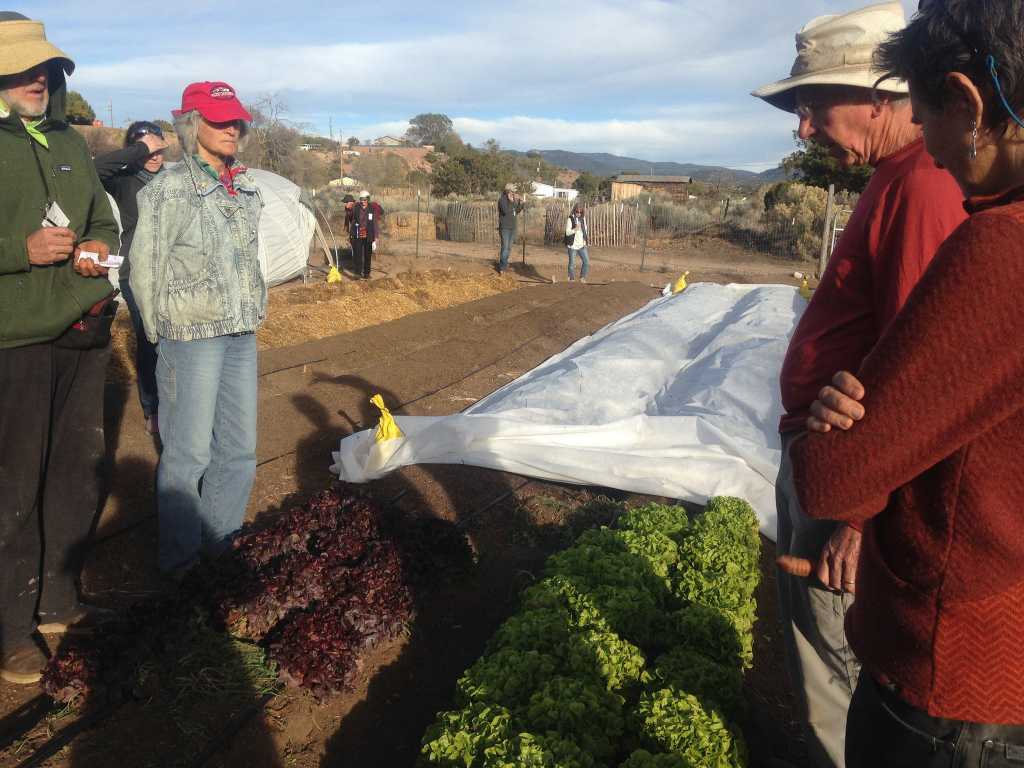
{"x": 822, "y": 668}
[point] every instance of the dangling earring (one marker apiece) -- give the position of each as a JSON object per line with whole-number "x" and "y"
{"x": 974, "y": 140}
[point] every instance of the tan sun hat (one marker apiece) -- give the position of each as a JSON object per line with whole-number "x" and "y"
{"x": 23, "y": 45}
{"x": 510, "y": 187}
{"x": 837, "y": 50}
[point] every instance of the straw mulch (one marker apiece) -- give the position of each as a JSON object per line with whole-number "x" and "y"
{"x": 315, "y": 311}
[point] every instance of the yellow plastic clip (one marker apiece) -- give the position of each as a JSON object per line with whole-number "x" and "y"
{"x": 805, "y": 290}
{"x": 387, "y": 429}
{"x": 680, "y": 285}
{"x": 334, "y": 276}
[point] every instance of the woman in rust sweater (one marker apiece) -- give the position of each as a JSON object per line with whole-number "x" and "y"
{"x": 934, "y": 465}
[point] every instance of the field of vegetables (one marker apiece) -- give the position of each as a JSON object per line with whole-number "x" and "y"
{"x": 630, "y": 652}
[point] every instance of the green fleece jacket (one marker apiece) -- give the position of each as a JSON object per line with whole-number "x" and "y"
{"x": 37, "y": 303}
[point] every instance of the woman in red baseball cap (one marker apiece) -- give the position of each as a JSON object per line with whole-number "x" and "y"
{"x": 197, "y": 281}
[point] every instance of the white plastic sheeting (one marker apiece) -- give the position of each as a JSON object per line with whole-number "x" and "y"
{"x": 286, "y": 228}
{"x": 678, "y": 399}
{"x": 285, "y": 232}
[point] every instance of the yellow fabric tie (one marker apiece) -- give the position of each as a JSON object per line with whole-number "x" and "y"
{"x": 387, "y": 429}
{"x": 35, "y": 133}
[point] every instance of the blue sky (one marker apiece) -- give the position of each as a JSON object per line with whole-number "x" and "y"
{"x": 647, "y": 78}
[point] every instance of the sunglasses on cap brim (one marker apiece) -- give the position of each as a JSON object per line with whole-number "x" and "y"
{"x": 138, "y": 133}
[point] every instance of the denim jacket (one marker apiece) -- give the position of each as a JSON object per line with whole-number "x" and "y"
{"x": 195, "y": 269}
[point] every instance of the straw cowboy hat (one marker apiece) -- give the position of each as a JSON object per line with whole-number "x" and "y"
{"x": 23, "y": 45}
{"x": 837, "y": 50}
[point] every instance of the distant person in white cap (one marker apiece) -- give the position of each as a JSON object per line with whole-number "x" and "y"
{"x": 509, "y": 208}
{"x": 362, "y": 232}
{"x": 908, "y": 208}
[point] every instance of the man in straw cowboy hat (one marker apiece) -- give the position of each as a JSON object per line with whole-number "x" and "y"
{"x": 56, "y": 229}
{"x": 908, "y": 208}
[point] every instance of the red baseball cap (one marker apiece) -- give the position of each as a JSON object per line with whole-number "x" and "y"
{"x": 216, "y": 102}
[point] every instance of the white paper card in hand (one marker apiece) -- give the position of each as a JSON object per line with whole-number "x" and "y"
{"x": 55, "y": 216}
{"x": 113, "y": 261}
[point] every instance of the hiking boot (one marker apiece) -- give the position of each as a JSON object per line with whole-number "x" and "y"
{"x": 583, "y": 279}
{"x": 24, "y": 665}
{"x": 83, "y": 619}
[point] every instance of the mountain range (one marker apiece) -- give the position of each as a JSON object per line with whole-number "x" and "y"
{"x": 604, "y": 164}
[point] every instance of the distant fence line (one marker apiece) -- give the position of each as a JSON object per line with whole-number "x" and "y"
{"x": 634, "y": 223}
{"x": 610, "y": 224}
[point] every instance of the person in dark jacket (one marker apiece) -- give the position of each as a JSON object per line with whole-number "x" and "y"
{"x": 56, "y": 227}
{"x": 124, "y": 173}
{"x": 362, "y": 231}
{"x": 509, "y": 208}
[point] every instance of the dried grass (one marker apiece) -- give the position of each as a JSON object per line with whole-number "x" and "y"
{"x": 303, "y": 313}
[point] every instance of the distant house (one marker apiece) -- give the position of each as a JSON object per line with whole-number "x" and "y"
{"x": 310, "y": 147}
{"x": 627, "y": 185}
{"x": 550, "y": 191}
{"x": 388, "y": 141}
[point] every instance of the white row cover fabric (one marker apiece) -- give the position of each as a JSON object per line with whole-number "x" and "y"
{"x": 285, "y": 232}
{"x": 286, "y": 228}
{"x": 678, "y": 399}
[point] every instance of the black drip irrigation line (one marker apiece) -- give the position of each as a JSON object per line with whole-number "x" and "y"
{"x": 65, "y": 736}
{"x": 226, "y": 736}
{"x": 297, "y": 365}
{"x": 464, "y": 522}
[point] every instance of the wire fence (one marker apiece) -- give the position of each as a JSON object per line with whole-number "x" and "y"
{"x": 793, "y": 230}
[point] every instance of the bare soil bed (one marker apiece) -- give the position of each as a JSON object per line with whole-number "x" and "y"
{"x": 388, "y": 337}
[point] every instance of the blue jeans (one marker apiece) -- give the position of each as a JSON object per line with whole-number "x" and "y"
{"x": 208, "y": 429}
{"x": 145, "y": 354}
{"x": 507, "y": 236}
{"x": 584, "y": 261}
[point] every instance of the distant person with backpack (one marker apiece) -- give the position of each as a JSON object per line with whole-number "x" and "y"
{"x": 124, "y": 173}
{"x": 509, "y": 208}
{"x": 577, "y": 238}
{"x": 362, "y": 232}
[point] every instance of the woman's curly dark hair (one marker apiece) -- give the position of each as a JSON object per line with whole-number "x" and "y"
{"x": 959, "y": 36}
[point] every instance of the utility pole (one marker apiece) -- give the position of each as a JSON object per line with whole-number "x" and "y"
{"x": 110, "y": 111}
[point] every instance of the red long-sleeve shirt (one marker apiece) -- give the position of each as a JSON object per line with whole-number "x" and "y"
{"x": 908, "y": 208}
{"x": 940, "y": 450}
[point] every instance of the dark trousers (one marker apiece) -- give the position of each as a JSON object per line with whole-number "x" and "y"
{"x": 145, "y": 355}
{"x": 883, "y": 731}
{"x": 362, "y": 255}
{"x": 51, "y": 460}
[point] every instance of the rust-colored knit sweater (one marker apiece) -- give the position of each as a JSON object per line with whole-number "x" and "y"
{"x": 936, "y": 467}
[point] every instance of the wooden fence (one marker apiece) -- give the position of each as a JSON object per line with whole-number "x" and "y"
{"x": 468, "y": 222}
{"x": 612, "y": 224}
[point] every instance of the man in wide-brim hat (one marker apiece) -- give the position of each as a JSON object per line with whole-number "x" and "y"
{"x": 907, "y": 209}
{"x": 56, "y": 227}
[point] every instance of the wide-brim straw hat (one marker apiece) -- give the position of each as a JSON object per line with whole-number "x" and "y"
{"x": 837, "y": 50}
{"x": 23, "y": 45}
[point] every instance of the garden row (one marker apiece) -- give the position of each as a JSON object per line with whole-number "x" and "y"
{"x": 629, "y": 652}
{"x": 304, "y": 597}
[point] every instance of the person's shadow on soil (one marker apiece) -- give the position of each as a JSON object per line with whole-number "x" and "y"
{"x": 451, "y": 624}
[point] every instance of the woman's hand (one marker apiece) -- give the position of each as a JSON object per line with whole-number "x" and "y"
{"x": 837, "y": 405}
